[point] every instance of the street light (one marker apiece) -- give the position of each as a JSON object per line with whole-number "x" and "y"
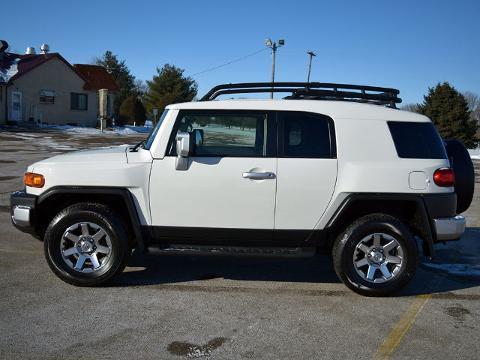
{"x": 311, "y": 54}
{"x": 274, "y": 46}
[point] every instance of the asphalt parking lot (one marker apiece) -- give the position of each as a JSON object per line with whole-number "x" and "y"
{"x": 224, "y": 308}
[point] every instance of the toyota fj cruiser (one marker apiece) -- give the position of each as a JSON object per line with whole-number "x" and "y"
{"x": 330, "y": 166}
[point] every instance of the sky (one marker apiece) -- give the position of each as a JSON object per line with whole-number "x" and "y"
{"x": 409, "y": 45}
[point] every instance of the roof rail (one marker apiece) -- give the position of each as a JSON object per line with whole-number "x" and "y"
{"x": 312, "y": 91}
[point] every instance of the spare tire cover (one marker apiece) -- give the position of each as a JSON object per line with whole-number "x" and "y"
{"x": 462, "y": 165}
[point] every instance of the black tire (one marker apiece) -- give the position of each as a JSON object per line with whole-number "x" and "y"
{"x": 462, "y": 166}
{"x": 98, "y": 215}
{"x": 346, "y": 243}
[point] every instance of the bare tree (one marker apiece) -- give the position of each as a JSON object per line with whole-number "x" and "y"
{"x": 410, "y": 107}
{"x": 473, "y": 101}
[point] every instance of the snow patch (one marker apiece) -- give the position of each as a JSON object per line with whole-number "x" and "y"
{"x": 7, "y": 73}
{"x": 474, "y": 153}
{"x": 126, "y": 130}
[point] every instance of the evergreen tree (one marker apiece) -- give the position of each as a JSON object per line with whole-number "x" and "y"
{"x": 448, "y": 109}
{"x": 132, "y": 110}
{"x": 122, "y": 76}
{"x": 169, "y": 86}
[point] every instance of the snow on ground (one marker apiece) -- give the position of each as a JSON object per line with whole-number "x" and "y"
{"x": 474, "y": 153}
{"x": 118, "y": 130}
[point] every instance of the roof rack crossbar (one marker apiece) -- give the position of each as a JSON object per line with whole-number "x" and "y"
{"x": 312, "y": 90}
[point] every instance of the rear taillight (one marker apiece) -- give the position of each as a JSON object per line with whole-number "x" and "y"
{"x": 444, "y": 177}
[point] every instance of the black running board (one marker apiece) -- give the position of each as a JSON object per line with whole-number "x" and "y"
{"x": 234, "y": 250}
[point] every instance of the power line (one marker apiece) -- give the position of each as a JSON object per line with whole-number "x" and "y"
{"x": 230, "y": 62}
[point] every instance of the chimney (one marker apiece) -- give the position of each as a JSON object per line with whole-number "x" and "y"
{"x": 44, "y": 48}
{"x": 30, "y": 51}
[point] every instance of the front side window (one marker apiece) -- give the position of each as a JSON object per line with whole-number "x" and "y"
{"x": 225, "y": 134}
{"x": 78, "y": 101}
{"x": 47, "y": 97}
{"x": 306, "y": 135}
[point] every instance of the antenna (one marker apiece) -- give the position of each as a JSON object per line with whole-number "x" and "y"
{"x": 311, "y": 54}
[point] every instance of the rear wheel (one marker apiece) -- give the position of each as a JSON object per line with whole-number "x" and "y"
{"x": 86, "y": 245}
{"x": 376, "y": 256}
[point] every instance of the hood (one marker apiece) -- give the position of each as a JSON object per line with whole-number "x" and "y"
{"x": 109, "y": 155}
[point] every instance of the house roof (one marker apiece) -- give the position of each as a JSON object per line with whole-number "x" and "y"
{"x": 13, "y": 66}
{"x": 96, "y": 77}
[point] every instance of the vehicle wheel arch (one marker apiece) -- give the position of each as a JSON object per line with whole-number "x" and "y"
{"x": 54, "y": 200}
{"x": 409, "y": 208}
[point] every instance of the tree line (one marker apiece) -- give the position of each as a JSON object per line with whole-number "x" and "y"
{"x": 136, "y": 100}
{"x": 456, "y": 115}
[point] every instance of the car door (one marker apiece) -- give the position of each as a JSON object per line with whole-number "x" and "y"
{"x": 228, "y": 190}
{"x": 306, "y": 169}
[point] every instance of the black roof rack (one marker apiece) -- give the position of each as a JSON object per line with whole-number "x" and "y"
{"x": 312, "y": 91}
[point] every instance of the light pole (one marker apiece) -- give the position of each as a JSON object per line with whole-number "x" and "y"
{"x": 311, "y": 54}
{"x": 274, "y": 46}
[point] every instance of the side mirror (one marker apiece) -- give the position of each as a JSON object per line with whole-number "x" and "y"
{"x": 184, "y": 147}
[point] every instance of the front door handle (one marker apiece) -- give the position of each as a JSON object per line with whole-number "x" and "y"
{"x": 258, "y": 175}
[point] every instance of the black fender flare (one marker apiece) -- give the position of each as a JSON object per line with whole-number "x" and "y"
{"x": 124, "y": 193}
{"x": 425, "y": 226}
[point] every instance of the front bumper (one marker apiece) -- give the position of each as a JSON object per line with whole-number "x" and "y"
{"x": 22, "y": 210}
{"x": 451, "y": 228}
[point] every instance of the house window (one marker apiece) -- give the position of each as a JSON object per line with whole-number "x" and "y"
{"x": 47, "y": 97}
{"x": 78, "y": 101}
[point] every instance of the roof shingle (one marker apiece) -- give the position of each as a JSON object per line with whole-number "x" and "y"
{"x": 13, "y": 66}
{"x": 96, "y": 77}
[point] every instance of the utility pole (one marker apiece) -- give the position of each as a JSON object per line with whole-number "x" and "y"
{"x": 274, "y": 46}
{"x": 311, "y": 54}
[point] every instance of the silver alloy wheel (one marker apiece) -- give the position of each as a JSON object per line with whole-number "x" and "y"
{"x": 85, "y": 247}
{"x": 378, "y": 258}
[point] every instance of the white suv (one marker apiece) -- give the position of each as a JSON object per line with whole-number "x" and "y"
{"x": 329, "y": 166}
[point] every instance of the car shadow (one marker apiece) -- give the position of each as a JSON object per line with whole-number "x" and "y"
{"x": 172, "y": 268}
{"x": 156, "y": 269}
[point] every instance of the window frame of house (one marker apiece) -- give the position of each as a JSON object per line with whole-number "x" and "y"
{"x": 47, "y": 97}
{"x": 77, "y": 103}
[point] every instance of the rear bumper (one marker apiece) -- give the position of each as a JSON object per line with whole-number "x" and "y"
{"x": 451, "y": 228}
{"x": 22, "y": 211}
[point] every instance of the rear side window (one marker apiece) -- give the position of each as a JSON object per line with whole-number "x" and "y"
{"x": 306, "y": 135}
{"x": 417, "y": 140}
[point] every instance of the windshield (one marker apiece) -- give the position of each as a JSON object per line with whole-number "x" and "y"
{"x": 154, "y": 132}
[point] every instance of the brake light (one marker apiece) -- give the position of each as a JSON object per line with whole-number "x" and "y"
{"x": 33, "y": 180}
{"x": 444, "y": 177}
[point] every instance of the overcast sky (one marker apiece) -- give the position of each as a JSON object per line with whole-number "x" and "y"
{"x": 409, "y": 45}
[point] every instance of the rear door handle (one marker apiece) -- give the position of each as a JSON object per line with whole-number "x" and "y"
{"x": 258, "y": 175}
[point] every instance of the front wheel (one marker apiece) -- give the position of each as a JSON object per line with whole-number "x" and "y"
{"x": 376, "y": 256}
{"x": 86, "y": 245}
